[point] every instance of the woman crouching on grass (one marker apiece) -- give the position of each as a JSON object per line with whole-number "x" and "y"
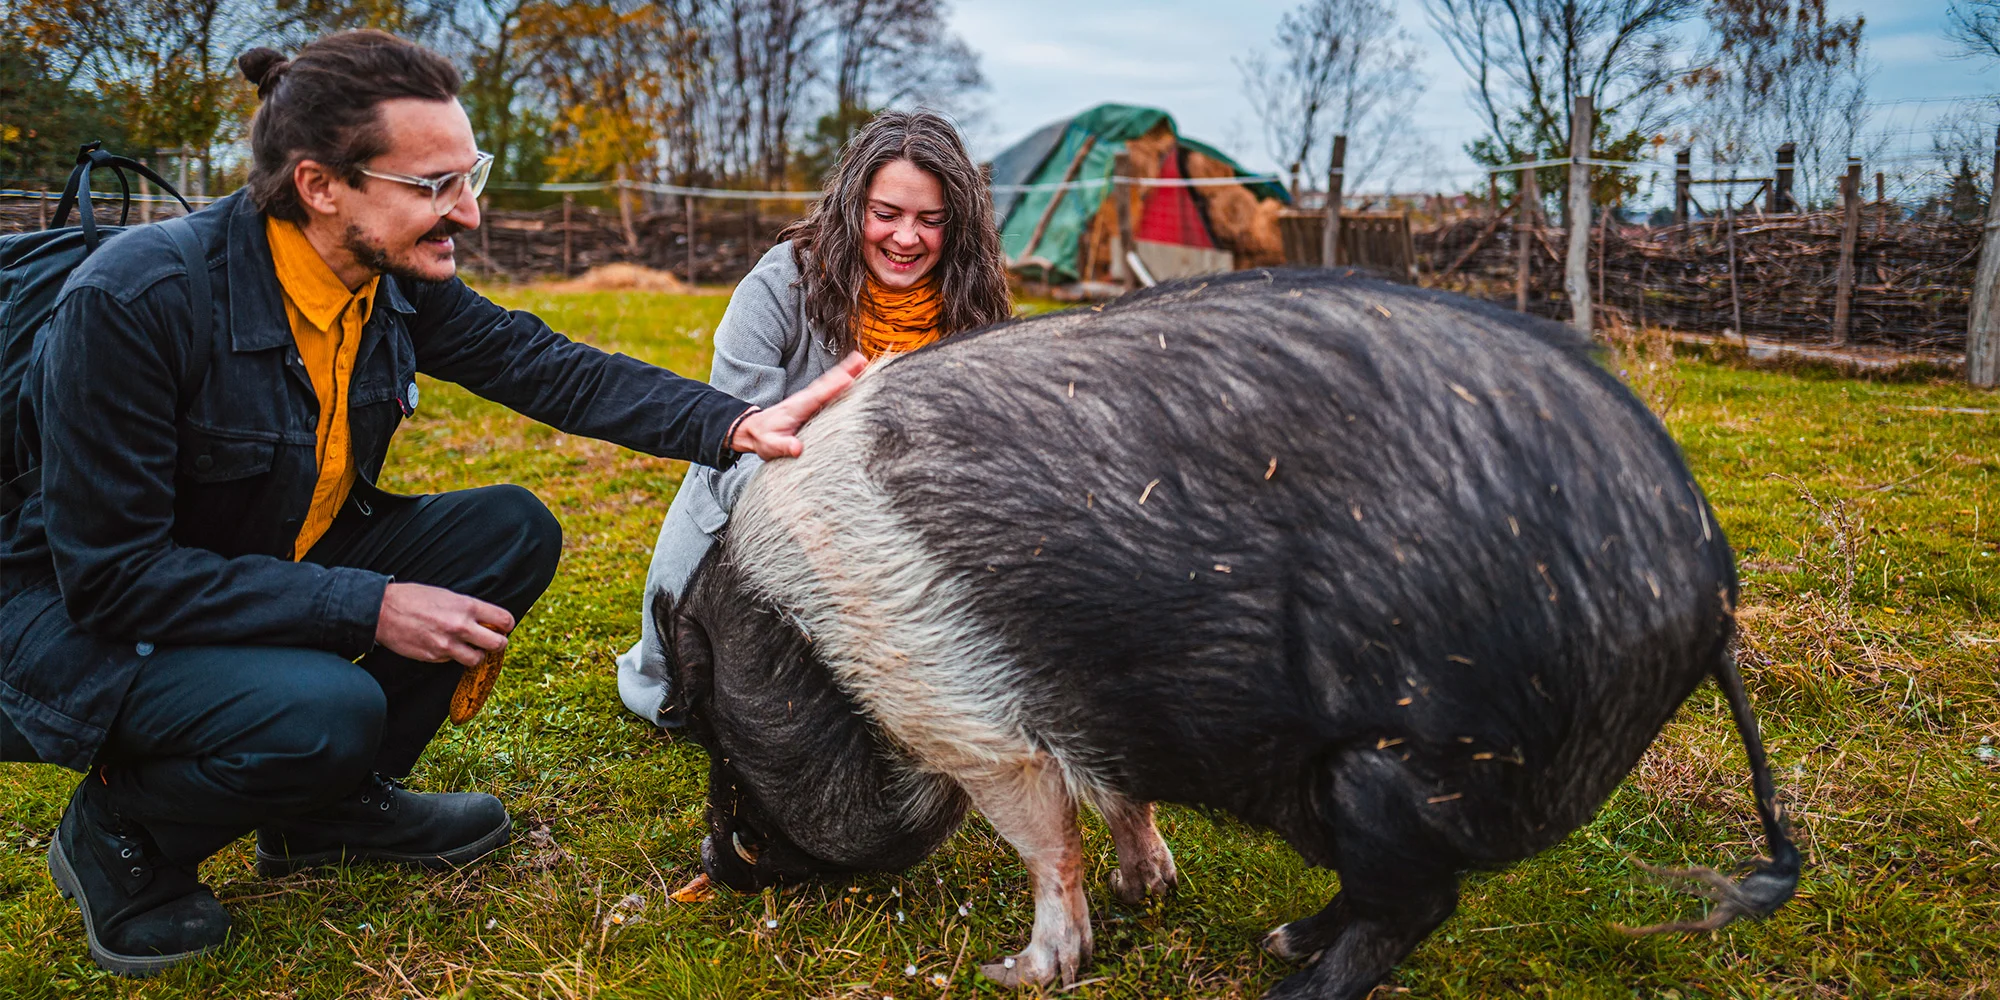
{"x": 902, "y": 251}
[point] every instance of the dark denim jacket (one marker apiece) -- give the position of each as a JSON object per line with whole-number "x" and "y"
{"x": 158, "y": 525}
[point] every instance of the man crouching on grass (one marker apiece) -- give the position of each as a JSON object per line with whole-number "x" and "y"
{"x": 209, "y": 608}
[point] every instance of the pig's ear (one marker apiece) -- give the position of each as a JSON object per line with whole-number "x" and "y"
{"x": 691, "y": 662}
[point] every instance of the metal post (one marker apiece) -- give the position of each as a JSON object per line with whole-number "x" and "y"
{"x": 1576, "y": 277}
{"x": 1329, "y": 244}
{"x": 1982, "y": 335}
{"x": 1843, "y": 294}
{"x": 1524, "y": 265}
{"x": 42, "y": 209}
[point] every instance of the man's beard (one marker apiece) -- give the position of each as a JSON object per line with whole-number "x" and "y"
{"x": 376, "y": 259}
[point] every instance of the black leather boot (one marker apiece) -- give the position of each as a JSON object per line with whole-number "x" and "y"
{"x": 383, "y": 821}
{"x": 141, "y": 912}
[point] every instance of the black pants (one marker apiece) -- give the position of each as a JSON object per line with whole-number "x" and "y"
{"x": 214, "y": 741}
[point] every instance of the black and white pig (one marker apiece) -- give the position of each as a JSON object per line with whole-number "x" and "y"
{"x": 1408, "y": 579}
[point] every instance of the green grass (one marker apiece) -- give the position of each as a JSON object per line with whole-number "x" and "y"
{"x": 1867, "y": 520}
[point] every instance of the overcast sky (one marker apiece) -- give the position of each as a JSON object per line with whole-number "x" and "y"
{"x": 1048, "y": 59}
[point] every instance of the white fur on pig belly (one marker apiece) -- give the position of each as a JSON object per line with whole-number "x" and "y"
{"x": 816, "y": 538}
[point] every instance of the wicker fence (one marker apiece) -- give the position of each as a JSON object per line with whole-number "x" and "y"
{"x": 1912, "y": 287}
{"x": 1912, "y": 284}
{"x": 562, "y": 240}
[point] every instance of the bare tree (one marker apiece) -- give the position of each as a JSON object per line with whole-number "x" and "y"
{"x": 1530, "y": 59}
{"x": 1955, "y": 179}
{"x": 486, "y": 37}
{"x": 759, "y": 59}
{"x": 1975, "y": 26}
{"x": 1777, "y": 71}
{"x": 602, "y": 72}
{"x": 889, "y": 52}
{"x": 1335, "y": 67}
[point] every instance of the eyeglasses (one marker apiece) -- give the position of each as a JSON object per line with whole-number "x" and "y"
{"x": 448, "y": 189}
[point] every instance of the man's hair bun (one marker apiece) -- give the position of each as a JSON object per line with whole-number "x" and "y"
{"x": 323, "y": 104}
{"x": 262, "y": 67}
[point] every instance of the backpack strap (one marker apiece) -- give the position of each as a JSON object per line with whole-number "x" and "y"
{"x": 76, "y": 193}
{"x": 201, "y": 304}
{"x": 200, "y": 300}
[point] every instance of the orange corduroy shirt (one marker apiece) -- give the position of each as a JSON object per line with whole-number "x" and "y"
{"x": 326, "y": 321}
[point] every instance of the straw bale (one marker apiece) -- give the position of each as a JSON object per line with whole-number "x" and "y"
{"x": 622, "y": 278}
{"x": 1242, "y": 222}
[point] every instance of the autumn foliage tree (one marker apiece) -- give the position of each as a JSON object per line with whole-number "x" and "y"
{"x": 167, "y": 66}
{"x": 714, "y": 91}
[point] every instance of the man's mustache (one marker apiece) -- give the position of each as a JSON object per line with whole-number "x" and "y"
{"x": 445, "y": 229}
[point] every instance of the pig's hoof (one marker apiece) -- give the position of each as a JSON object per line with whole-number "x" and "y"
{"x": 1280, "y": 942}
{"x": 1017, "y": 971}
{"x": 1303, "y": 986}
{"x": 1150, "y": 880}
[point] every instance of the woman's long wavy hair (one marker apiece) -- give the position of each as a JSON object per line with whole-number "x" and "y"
{"x": 827, "y": 243}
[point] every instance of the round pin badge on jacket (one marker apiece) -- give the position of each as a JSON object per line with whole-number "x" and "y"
{"x": 410, "y": 396}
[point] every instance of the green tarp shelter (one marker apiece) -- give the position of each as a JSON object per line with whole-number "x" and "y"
{"x": 1046, "y": 155}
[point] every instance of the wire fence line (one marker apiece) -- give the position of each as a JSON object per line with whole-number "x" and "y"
{"x": 1911, "y": 287}
{"x": 745, "y": 194}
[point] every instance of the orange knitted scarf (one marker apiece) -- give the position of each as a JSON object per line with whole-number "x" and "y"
{"x": 892, "y": 320}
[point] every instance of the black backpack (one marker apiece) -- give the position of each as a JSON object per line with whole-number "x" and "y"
{"x": 33, "y": 268}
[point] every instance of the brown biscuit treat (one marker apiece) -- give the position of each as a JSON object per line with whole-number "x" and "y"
{"x": 474, "y": 685}
{"x": 697, "y": 891}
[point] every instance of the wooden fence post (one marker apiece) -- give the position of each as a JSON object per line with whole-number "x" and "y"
{"x": 569, "y": 203}
{"x": 1683, "y": 183}
{"x": 1781, "y": 196}
{"x": 1524, "y": 264}
{"x": 1843, "y": 291}
{"x": 1329, "y": 240}
{"x": 1982, "y": 335}
{"x": 1121, "y": 194}
{"x": 688, "y": 204}
{"x": 1735, "y": 299}
{"x": 486, "y": 235}
{"x": 1576, "y": 267}
{"x": 625, "y": 210}
{"x": 42, "y": 208}
{"x": 1603, "y": 234}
